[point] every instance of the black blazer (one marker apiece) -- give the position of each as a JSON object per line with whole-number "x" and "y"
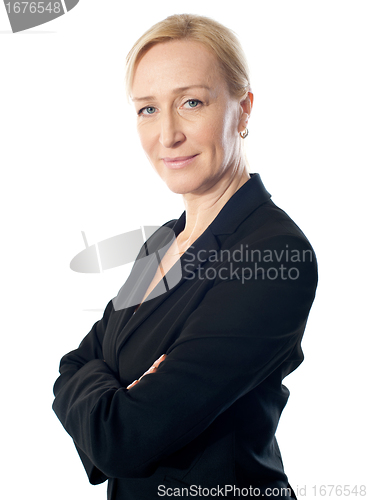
{"x": 231, "y": 329}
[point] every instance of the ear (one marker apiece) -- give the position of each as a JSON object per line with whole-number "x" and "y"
{"x": 246, "y": 105}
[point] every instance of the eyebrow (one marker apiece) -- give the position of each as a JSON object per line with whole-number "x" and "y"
{"x": 175, "y": 91}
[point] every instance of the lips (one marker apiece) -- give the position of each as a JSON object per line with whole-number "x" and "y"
{"x": 179, "y": 161}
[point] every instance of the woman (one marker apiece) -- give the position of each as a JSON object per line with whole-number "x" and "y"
{"x": 219, "y": 319}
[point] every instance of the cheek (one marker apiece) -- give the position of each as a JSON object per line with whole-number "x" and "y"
{"x": 230, "y": 124}
{"x": 208, "y": 134}
{"x": 146, "y": 139}
{"x": 224, "y": 138}
{"x": 218, "y": 136}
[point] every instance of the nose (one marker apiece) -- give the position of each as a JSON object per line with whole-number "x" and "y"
{"x": 171, "y": 133}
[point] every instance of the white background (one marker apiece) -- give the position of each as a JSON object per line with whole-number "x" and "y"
{"x": 71, "y": 161}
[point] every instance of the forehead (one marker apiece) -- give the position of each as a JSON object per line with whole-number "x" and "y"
{"x": 178, "y": 63}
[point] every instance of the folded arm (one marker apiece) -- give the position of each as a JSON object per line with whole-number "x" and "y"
{"x": 239, "y": 335}
{"x": 89, "y": 349}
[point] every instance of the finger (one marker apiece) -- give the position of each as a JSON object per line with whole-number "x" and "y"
{"x": 152, "y": 369}
{"x": 132, "y": 384}
{"x": 155, "y": 365}
{"x": 159, "y": 360}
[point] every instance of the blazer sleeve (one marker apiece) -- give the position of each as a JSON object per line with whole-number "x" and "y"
{"x": 91, "y": 346}
{"x": 89, "y": 349}
{"x": 242, "y": 331}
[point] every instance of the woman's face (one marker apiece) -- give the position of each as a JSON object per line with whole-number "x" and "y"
{"x": 188, "y": 122}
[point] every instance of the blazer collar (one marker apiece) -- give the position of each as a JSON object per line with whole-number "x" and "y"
{"x": 244, "y": 201}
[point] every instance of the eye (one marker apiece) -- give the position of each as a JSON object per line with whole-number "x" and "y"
{"x": 192, "y": 103}
{"x": 148, "y": 110}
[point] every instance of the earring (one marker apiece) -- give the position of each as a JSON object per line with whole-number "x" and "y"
{"x": 244, "y": 134}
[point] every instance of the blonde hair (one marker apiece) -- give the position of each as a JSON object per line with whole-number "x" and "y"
{"x": 213, "y": 35}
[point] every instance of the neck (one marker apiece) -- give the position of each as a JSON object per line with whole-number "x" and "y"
{"x": 202, "y": 209}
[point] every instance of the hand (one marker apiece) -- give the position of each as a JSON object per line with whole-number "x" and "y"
{"x": 150, "y": 370}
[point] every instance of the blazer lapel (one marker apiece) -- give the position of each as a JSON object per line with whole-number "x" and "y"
{"x": 184, "y": 268}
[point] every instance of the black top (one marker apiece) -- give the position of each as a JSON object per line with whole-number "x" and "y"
{"x": 230, "y": 318}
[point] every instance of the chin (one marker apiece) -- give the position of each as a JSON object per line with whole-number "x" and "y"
{"x": 181, "y": 186}
{"x": 178, "y": 189}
